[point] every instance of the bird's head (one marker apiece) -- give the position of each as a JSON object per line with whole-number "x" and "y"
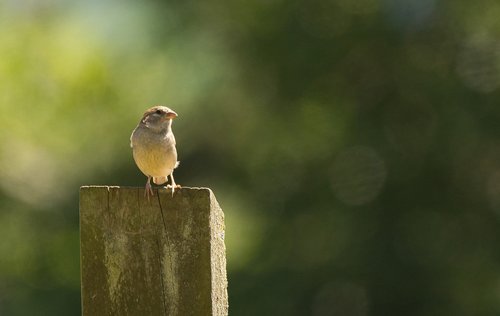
{"x": 158, "y": 117}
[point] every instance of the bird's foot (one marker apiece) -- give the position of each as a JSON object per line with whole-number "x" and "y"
{"x": 173, "y": 187}
{"x": 148, "y": 191}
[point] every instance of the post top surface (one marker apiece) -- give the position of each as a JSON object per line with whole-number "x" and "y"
{"x": 134, "y": 187}
{"x": 116, "y": 187}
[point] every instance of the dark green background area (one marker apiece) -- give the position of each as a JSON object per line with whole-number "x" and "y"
{"x": 353, "y": 145}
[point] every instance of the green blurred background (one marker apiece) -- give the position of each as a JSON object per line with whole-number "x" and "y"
{"x": 353, "y": 145}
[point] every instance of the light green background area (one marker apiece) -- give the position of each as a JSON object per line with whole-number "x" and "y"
{"x": 353, "y": 145}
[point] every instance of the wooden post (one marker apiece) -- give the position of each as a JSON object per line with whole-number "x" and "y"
{"x": 165, "y": 256}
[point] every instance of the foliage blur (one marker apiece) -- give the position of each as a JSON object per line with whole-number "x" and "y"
{"x": 353, "y": 145}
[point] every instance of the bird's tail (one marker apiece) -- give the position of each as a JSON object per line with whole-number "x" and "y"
{"x": 159, "y": 180}
{"x": 162, "y": 180}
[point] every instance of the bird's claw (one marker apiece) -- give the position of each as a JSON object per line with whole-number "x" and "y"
{"x": 173, "y": 187}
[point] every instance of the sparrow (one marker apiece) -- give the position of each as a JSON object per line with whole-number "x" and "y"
{"x": 153, "y": 147}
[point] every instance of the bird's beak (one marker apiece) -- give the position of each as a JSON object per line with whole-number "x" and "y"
{"x": 171, "y": 115}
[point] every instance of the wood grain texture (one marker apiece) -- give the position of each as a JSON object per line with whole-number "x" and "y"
{"x": 165, "y": 256}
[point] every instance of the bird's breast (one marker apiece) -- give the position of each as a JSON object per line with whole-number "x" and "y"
{"x": 154, "y": 153}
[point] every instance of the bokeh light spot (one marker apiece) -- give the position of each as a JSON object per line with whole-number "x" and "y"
{"x": 479, "y": 64}
{"x": 336, "y": 298}
{"x": 358, "y": 175}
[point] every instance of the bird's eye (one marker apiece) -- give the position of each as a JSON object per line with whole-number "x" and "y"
{"x": 158, "y": 112}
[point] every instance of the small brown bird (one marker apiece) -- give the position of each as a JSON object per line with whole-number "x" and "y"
{"x": 153, "y": 147}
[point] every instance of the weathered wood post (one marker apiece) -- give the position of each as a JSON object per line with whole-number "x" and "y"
{"x": 165, "y": 256}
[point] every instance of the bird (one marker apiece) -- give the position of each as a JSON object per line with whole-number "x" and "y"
{"x": 153, "y": 147}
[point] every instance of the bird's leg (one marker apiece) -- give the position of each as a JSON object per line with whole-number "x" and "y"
{"x": 173, "y": 185}
{"x": 148, "y": 190}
